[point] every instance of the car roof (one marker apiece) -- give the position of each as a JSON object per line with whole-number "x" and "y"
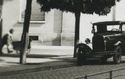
{"x": 109, "y": 23}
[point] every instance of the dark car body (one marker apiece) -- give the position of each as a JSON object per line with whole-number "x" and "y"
{"x": 108, "y": 41}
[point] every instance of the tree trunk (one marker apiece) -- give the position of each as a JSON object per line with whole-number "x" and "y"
{"x": 24, "y": 38}
{"x": 1, "y": 4}
{"x": 77, "y": 25}
{"x": 1, "y": 27}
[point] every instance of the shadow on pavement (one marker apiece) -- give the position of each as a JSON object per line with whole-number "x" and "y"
{"x": 1, "y": 60}
{"x": 89, "y": 62}
{"x": 66, "y": 59}
{"x": 30, "y": 55}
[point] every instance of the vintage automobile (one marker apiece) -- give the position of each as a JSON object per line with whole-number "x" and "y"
{"x": 108, "y": 41}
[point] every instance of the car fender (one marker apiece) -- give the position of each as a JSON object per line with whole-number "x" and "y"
{"x": 118, "y": 43}
{"x": 84, "y": 47}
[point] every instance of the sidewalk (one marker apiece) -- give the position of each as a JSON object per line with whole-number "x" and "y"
{"x": 40, "y": 58}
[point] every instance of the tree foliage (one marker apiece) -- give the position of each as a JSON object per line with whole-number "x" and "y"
{"x": 101, "y": 7}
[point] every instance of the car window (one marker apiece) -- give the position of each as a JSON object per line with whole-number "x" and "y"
{"x": 113, "y": 28}
{"x": 123, "y": 27}
{"x": 95, "y": 29}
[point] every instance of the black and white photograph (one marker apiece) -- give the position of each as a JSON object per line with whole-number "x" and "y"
{"x": 62, "y": 39}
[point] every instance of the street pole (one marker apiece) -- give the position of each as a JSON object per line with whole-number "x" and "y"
{"x": 25, "y": 37}
{"x": 114, "y": 13}
{"x": 1, "y": 4}
{"x": 77, "y": 26}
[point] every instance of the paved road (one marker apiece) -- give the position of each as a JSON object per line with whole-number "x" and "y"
{"x": 63, "y": 73}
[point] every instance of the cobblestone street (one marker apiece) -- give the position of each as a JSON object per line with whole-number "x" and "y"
{"x": 62, "y": 73}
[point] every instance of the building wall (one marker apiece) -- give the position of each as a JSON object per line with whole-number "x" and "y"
{"x": 49, "y": 31}
{"x": 68, "y": 29}
{"x": 120, "y": 10}
{"x": 10, "y": 14}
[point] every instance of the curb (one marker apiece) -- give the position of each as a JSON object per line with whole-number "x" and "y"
{"x": 36, "y": 69}
{"x": 51, "y": 47}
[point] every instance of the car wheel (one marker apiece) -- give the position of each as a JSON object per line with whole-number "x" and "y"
{"x": 83, "y": 51}
{"x": 117, "y": 56}
{"x": 80, "y": 58}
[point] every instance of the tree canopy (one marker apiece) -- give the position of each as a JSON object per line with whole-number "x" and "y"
{"x": 101, "y": 7}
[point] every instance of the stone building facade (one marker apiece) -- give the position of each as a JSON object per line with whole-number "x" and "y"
{"x": 51, "y": 29}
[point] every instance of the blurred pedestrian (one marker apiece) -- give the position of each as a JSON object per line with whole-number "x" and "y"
{"x": 7, "y": 40}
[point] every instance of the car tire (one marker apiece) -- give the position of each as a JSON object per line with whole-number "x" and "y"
{"x": 117, "y": 56}
{"x": 80, "y": 57}
{"x": 83, "y": 51}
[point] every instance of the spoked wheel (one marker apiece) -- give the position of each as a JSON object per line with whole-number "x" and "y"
{"x": 82, "y": 51}
{"x": 80, "y": 58}
{"x": 117, "y": 56}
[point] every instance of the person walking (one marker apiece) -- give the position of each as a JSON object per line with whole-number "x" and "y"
{"x": 10, "y": 41}
{"x": 7, "y": 40}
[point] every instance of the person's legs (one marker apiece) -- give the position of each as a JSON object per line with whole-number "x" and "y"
{"x": 9, "y": 48}
{"x": 1, "y": 47}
